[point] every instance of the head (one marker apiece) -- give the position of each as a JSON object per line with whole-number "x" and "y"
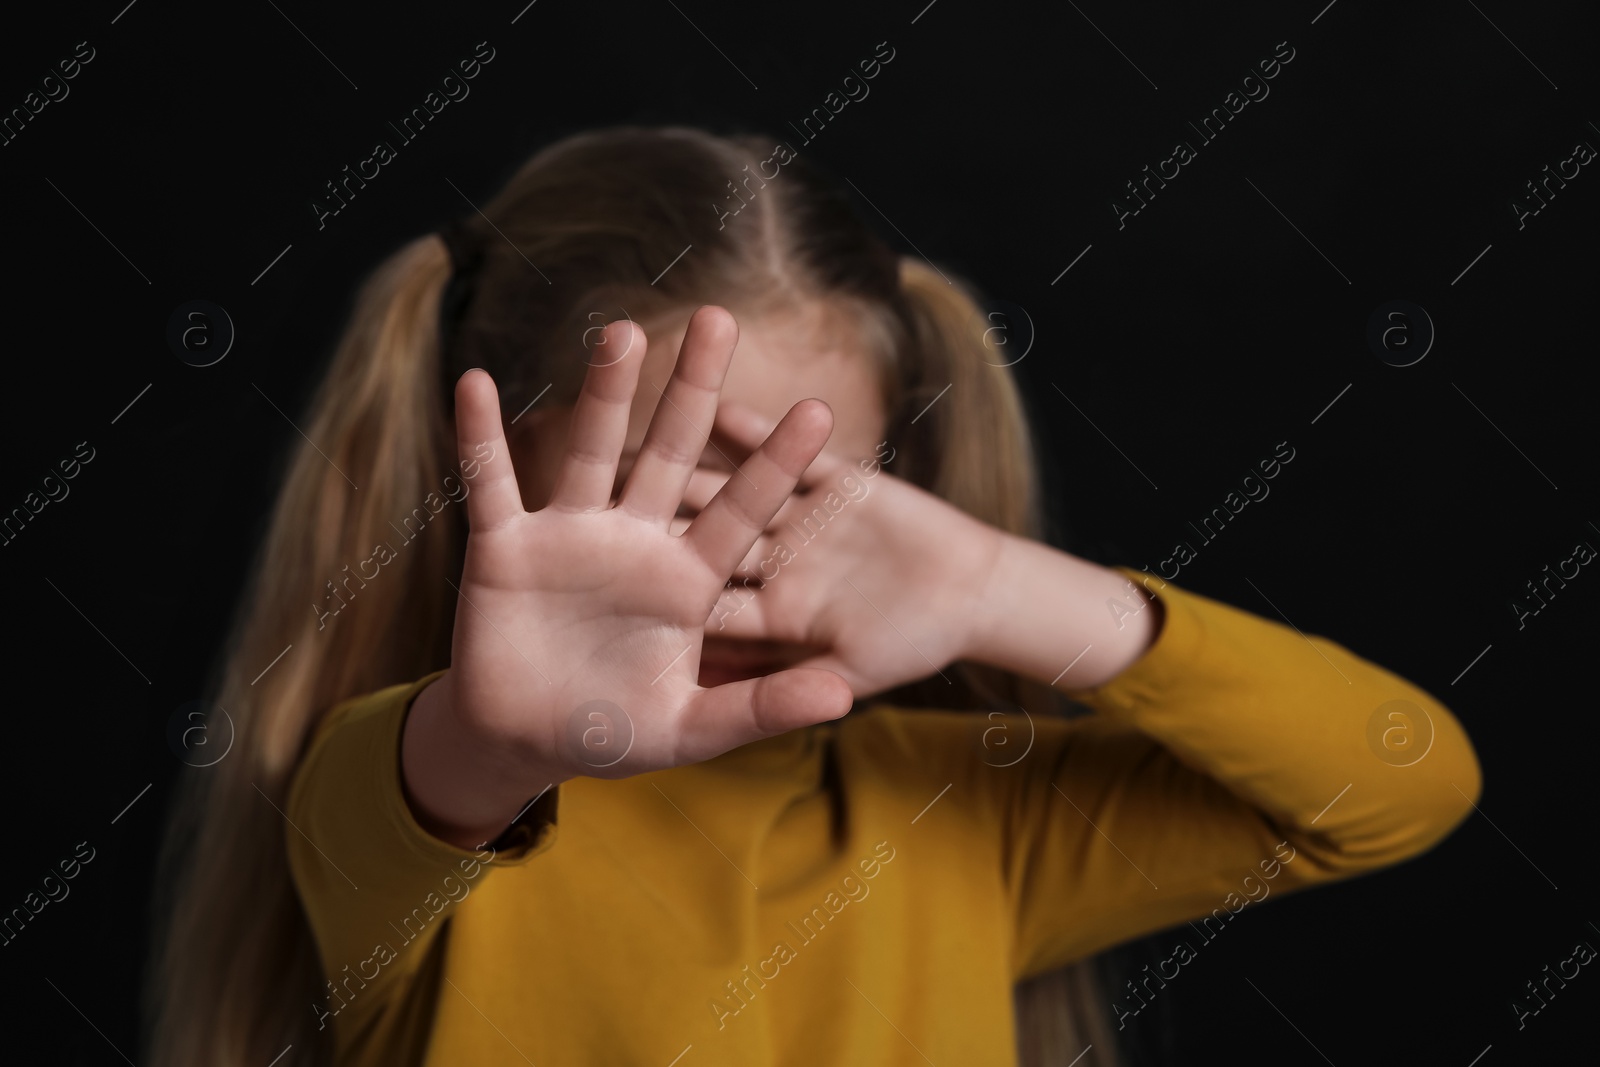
{"x": 647, "y": 224}
{"x": 650, "y": 225}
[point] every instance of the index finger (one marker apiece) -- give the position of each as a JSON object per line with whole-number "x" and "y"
{"x": 723, "y": 533}
{"x": 747, "y": 427}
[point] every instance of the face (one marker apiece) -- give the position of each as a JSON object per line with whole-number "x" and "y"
{"x": 782, "y": 357}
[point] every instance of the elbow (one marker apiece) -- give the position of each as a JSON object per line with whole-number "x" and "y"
{"x": 1465, "y": 782}
{"x": 1471, "y": 785}
{"x": 1401, "y": 805}
{"x": 1430, "y": 798}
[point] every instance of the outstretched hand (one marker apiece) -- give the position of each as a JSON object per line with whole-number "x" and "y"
{"x": 578, "y": 627}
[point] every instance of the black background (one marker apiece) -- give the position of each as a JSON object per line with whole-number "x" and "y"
{"x": 1196, "y": 338}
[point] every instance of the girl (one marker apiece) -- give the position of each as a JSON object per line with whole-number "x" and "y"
{"x": 595, "y": 740}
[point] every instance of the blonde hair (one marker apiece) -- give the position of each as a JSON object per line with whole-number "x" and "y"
{"x": 583, "y": 229}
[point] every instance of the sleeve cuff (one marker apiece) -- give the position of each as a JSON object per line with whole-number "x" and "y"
{"x": 532, "y": 832}
{"x": 1168, "y": 662}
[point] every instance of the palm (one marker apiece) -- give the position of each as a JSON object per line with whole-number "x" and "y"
{"x": 606, "y": 601}
{"x": 578, "y": 628}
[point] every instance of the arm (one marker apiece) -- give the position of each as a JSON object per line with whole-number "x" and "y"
{"x": 585, "y": 604}
{"x": 1233, "y": 759}
{"x": 901, "y": 583}
{"x": 1220, "y": 735}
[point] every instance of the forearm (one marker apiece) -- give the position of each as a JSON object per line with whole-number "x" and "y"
{"x": 463, "y": 788}
{"x": 1059, "y": 619}
{"x": 1351, "y": 762}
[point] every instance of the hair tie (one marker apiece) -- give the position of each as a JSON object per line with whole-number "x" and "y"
{"x": 465, "y": 250}
{"x": 466, "y": 256}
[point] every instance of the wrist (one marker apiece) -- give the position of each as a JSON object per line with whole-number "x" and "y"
{"x": 1059, "y": 619}
{"x": 463, "y": 786}
{"x": 985, "y": 632}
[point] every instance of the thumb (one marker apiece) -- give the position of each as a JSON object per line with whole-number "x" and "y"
{"x": 726, "y": 716}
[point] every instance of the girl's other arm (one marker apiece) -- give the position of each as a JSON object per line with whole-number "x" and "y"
{"x": 1233, "y": 757}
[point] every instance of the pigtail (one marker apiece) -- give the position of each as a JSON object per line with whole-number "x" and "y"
{"x": 348, "y": 595}
{"x": 981, "y": 406}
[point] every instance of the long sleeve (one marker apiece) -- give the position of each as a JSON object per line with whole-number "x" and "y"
{"x": 377, "y": 888}
{"x": 1236, "y": 759}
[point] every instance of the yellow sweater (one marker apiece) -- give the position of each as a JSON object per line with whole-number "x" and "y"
{"x": 865, "y": 891}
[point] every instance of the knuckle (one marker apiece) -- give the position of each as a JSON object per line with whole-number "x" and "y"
{"x": 675, "y": 453}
